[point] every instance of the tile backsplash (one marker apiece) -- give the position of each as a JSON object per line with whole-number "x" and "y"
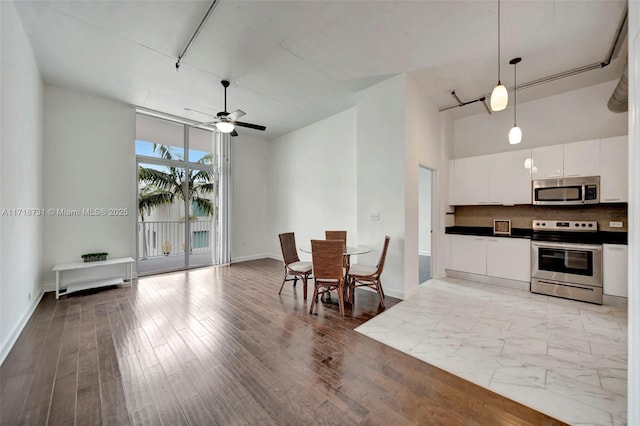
{"x": 521, "y": 216}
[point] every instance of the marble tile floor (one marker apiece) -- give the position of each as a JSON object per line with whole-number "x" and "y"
{"x": 565, "y": 358}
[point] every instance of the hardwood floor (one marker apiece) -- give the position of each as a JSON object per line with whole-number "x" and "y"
{"x": 218, "y": 346}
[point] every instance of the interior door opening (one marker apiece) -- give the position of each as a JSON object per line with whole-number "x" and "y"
{"x": 425, "y": 208}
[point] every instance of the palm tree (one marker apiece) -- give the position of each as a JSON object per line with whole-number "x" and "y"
{"x": 160, "y": 187}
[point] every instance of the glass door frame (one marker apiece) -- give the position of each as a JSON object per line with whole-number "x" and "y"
{"x": 220, "y": 174}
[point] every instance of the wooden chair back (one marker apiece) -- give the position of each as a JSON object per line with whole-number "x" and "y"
{"x": 383, "y": 255}
{"x": 336, "y": 235}
{"x": 288, "y": 247}
{"x": 327, "y": 259}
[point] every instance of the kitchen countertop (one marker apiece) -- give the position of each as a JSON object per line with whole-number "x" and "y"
{"x": 599, "y": 237}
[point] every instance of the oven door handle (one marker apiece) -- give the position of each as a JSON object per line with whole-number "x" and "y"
{"x": 568, "y": 245}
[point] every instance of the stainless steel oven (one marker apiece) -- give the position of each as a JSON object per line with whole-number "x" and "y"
{"x": 568, "y": 269}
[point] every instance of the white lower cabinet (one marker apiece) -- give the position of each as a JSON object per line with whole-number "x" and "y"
{"x": 508, "y": 258}
{"x": 468, "y": 254}
{"x": 614, "y": 270}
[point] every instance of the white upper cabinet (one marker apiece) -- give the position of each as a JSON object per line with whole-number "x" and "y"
{"x": 510, "y": 177}
{"x": 576, "y": 159}
{"x": 471, "y": 180}
{"x": 493, "y": 179}
{"x": 613, "y": 169}
{"x": 582, "y": 158}
{"x": 505, "y": 179}
{"x": 547, "y": 162}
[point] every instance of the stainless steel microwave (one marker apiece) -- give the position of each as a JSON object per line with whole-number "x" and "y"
{"x": 569, "y": 191}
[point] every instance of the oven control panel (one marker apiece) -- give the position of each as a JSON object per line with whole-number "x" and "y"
{"x": 565, "y": 225}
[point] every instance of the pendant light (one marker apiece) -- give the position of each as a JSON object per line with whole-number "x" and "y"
{"x": 515, "y": 134}
{"x": 499, "y": 96}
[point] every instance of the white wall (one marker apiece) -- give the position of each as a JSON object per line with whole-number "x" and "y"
{"x": 381, "y": 185}
{"x": 249, "y": 221}
{"x": 423, "y": 142}
{"x": 20, "y": 178}
{"x": 312, "y": 182}
{"x": 566, "y": 117}
{"x": 633, "y": 386}
{"x": 90, "y": 163}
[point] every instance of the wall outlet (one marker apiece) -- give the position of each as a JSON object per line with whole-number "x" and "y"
{"x": 616, "y": 224}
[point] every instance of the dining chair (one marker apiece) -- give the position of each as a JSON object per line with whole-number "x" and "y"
{"x": 294, "y": 268}
{"x": 368, "y": 276}
{"x": 336, "y": 235}
{"x": 328, "y": 273}
{"x": 339, "y": 235}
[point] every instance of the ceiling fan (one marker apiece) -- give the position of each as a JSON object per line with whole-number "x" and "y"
{"x": 225, "y": 121}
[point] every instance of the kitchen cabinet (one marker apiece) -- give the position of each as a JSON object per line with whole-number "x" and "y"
{"x": 468, "y": 253}
{"x": 547, "y": 162}
{"x": 576, "y": 159}
{"x": 493, "y": 179}
{"x": 613, "y": 170}
{"x": 509, "y": 258}
{"x": 510, "y": 177}
{"x": 471, "y": 180}
{"x": 614, "y": 270}
{"x": 582, "y": 158}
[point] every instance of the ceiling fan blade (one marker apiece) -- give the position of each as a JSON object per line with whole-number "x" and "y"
{"x": 236, "y": 114}
{"x": 249, "y": 125}
{"x": 208, "y": 123}
{"x": 234, "y": 133}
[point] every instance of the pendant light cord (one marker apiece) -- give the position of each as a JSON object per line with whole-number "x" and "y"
{"x": 515, "y": 91}
{"x": 498, "y": 41}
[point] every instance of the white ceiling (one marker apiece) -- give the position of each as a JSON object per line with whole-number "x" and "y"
{"x": 292, "y": 63}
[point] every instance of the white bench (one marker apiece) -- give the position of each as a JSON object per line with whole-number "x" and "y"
{"x": 59, "y": 268}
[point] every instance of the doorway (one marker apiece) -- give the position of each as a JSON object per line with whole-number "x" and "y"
{"x": 425, "y": 209}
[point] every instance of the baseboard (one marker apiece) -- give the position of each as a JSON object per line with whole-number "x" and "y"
{"x": 609, "y": 300}
{"x": 7, "y": 345}
{"x": 247, "y": 258}
{"x": 501, "y": 282}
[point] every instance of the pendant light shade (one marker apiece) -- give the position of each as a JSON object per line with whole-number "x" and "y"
{"x": 225, "y": 127}
{"x": 515, "y": 134}
{"x": 499, "y": 95}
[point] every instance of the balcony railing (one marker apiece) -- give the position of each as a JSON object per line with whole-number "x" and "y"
{"x": 165, "y": 238}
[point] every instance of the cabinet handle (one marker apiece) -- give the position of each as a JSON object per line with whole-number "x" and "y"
{"x": 615, "y": 248}
{"x": 552, "y": 176}
{"x": 479, "y": 239}
{"x": 571, "y": 174}
{"x": 612, "y": 199}
{"x": 494, "y": 240}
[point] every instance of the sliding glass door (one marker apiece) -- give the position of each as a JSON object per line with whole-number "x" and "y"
{"x": 179, "y": 193}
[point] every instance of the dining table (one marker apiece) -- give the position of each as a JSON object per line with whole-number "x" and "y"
{"x": 348, "y": 252}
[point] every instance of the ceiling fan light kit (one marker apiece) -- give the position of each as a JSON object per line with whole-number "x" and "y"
{"x": 225, "y": 121}
{"x": 225, "y": 127}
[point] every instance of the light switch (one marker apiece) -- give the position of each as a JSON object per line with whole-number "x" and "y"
{"x": 616, "y": 224}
